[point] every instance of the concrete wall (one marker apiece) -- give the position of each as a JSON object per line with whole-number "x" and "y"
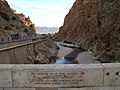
{"x": 14, "y": 56}
{"x": 60, "y": 77}
{"x": 18, "y": 52}
{"x": 11, "y": 44}
{"x": 14, "y": 52}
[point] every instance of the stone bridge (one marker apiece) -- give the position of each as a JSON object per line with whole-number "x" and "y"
{"x": 14, "y": 51}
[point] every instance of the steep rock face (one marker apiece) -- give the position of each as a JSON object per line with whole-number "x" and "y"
{"x": 44, "y": 52}
{"x": 94, "y": 25}
{"x": 11, "y": 23}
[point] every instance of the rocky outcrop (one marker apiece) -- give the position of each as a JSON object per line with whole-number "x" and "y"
{"x": 94, "y": 25}
{"x": 44, "y": 52}
{"x": 11, "y": 22}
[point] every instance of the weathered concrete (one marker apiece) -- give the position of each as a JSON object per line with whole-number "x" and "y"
{"x": 4, "y": 57}
{"x": 111, "y": 74}
{"x": 17, "y": 52}
{"x": 60, "y": 77}
{"x": 94, "y": 75}
{"x": 1, "y": 88}
{"x": 117, "y": 88}
{"x": 87, "y": 88}
{"x": 49, "y": 76}
{"x": 104, "y": 88}
{"x": 14, "y": 56}
{"x": 19, "y": 88}
{"x": 21, "y": 54}
{"x": 5, "y": 75}
{"x": 11, "y": 44}
{"x": 46, "y": 88}
{"x": 14, "y": 52}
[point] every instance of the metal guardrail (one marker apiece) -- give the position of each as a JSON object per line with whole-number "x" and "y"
{"x": 21, "y": 38}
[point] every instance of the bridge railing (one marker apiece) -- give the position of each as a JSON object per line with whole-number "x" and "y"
{"x": 10, "y": 39}
{"x": 81, "y": 76}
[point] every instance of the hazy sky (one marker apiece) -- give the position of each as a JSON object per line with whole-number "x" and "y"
{"x": 43, "y": 12}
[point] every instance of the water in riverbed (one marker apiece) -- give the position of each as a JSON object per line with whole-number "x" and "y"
{"x": 63, "y": 61}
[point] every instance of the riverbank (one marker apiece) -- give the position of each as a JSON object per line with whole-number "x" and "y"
{"x": 78, "y": 55}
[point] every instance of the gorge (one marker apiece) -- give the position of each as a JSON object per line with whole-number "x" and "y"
{"x": 15, "y": 48}
{"x": 89, "y": 25}
{"x": 94, "y": 25}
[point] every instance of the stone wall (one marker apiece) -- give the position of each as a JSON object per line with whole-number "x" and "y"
{"x": 60, "y": 77}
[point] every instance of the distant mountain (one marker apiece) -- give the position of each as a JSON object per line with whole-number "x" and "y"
{"x": 46, "y": 30}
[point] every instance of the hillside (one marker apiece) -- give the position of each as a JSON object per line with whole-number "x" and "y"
{"x": 94, "y": 25}
{"x": 12, "y": 23}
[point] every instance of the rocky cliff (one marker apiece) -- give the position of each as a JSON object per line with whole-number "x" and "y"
{"x": 12, "y": 23}
{"x": 94, "y": 25}
{"x": 44, "y": 52}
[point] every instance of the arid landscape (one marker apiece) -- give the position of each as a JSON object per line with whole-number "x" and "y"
{"x": 92, "y": 27}
{"x": 59, "y": 44}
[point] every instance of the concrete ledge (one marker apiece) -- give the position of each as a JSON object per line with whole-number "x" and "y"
{"x": 62, "y": 76}
{"x": 11, "y": 44}
{"x": 117, "y": 88}
{"x": 5, "y": 75}
{"x": 104, "y": 88}
{"x": 18, "y": 44}
{"x": 111, "y": 74}
{"x": 19, "y": 89}
{"x": 86, "y": 88}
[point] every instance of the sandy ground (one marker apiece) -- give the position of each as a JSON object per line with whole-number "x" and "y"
{"x": 82, "y": 58}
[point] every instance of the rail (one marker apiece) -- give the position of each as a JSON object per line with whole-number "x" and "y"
{"x": 21, "y": 38}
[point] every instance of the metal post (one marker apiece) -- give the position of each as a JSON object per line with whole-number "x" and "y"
{"x": 2, "y": 40}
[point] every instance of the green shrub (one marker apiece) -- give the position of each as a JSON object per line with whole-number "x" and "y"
{"x": 4, "y": 15}
{"x": 31, "y": 25}
{"x": 14, "y": 18}
{"x": 26, "y": 30}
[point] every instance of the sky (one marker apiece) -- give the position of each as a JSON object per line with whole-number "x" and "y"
{"x": 50, "y": 13}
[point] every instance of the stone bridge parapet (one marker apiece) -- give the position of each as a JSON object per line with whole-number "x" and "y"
{"x": 60, "y": 77}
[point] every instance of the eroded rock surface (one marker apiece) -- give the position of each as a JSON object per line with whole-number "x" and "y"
{"x": 12, "y": 23}
{"x": 94, "y": 25}
{"x": 44, "y": 52}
